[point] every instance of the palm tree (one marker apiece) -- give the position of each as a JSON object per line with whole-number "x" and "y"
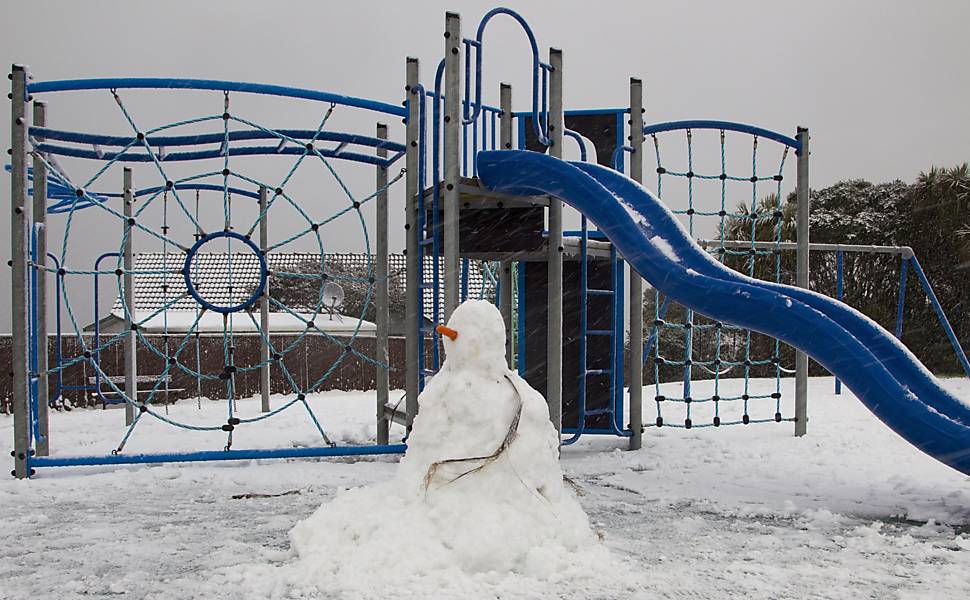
{"x": 767, "y": 223}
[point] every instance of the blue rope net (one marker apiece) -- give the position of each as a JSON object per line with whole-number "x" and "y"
{"x": 727, "y": 206}
{"x": 178, "y": 263}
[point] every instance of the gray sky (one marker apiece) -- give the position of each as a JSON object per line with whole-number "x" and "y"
{"x": 882, "y": 85}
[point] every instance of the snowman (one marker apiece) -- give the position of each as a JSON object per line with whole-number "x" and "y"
{"x": 480, "y": 488}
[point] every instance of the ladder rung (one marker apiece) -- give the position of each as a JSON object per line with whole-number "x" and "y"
{"x": 599, "y": 411}
{"x": 592, "y": 292}
{"x": 599, "y": 371}
{"x": 599, "y": 332}
{"x": 425, "y": 241}
{"x": 428, "y": 372}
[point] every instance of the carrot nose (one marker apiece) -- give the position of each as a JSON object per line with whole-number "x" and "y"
{"x": 447, "y": 331}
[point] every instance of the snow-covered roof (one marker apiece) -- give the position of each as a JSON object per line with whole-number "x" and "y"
{"x": 211, "y": 276}
{"x": 280, "y": 322}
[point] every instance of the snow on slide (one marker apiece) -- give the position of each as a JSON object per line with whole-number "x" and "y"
{"x": 888, "y": 379}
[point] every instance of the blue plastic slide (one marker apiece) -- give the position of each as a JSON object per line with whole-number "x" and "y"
{"x": 879, "y": 370}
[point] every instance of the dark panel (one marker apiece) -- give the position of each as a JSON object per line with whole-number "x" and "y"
{"x": 599, "y": 129}
{"x": 498, "y": 229}
{"x": 501, "y": 230}
{"x": 598, "y": 347}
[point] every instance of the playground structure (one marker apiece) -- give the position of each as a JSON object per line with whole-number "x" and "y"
{"x": 478, "y": 199}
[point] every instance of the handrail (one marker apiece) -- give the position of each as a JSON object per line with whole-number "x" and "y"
{"x": 579, "y": 140}
{"x": 540, "y": 72}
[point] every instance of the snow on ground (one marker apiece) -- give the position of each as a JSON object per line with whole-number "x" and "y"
{"x": 851, "y": 510}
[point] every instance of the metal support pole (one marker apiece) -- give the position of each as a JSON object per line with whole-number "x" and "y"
{"x": 940, "y": 315}
{"x": 414, "y": 362}
{"x": 555, "y": 250}
{"x": 901, "y": 298}
{"x": 505, "y": 119}
{"x": 264, "y": 347}
{"x": 801, "y": 277}
{"x": 452, "y": 160}
{"x": 382, "y": 301}
{"x": 505, "y": 306}
{"x": 839, "y": 267}
{"x": 130, "y": 340}
{"x": 40, "y": 289}
{"x": 636, "y": 282}
{"x": 19, "y": 310}
{"x": 505, "y": 273}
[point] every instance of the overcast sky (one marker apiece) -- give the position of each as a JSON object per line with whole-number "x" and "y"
{"x": 883, "y": 86}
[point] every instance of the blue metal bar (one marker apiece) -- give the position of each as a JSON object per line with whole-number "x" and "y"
{"x": 96, "y": 355}
{"x": 583, "y": 328}
{"x": 58, "y": 357}
{"x": 158, "y": 83}
{"x": 957, "y": 348}
{"x": 34, "y": 343}
{"x": 170, "y": 141}
{"x": 579, "y": 140}
{"x": 901, "y": 301}
{"x": 648, "y": 345}
{"x": 593, "y": 235}
{"x": 575, "y": 112}
{"x": 617, "y": 358}
{"x": 723, "y": 126}
{"x": 520, "y": 339}
{"x": 617, "y": 159}
{"x": 839, "y": 261}
{"x": 215, "y": 153}
{"x": 254, "y": 454}
{"x": 620, "y": 143}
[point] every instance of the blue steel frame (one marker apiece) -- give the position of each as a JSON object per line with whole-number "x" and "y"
{"x": 65, "y": 197}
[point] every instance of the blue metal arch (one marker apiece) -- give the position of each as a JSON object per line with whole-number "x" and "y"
{"x": 723, "y": 126}
{"x": 539, "y": 72}
{"x": 160, "y": 83}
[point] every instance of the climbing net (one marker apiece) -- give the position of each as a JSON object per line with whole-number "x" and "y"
{"x": 187, "y": 239}
{"x": 731, "y": 199}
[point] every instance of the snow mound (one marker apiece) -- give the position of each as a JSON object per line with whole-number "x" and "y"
{"x": 479, "y": 495}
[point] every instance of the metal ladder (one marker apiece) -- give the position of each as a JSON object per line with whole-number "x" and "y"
{"x": 614, "y": 371}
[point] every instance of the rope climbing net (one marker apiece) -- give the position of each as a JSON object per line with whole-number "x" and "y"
{"x": 186, "y": 239}
{"x": 730, "y": 198}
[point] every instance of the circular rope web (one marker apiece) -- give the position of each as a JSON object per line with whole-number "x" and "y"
{"x": 178, "y": 265}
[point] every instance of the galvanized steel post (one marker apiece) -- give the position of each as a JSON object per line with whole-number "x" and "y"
{"x": 414, "y": 362}
{"x": 382, "y": 301}
{"x": 452, "y": 160}
{"x": 555, "y": 250}
{"x": 264, "y": 346}
{"x": 505, "y": 272}
{"x": 42, "y": 443}
{"x": 801, "y": 276}
{"x": 19, "y": 305}
{"x": 636, "y": 282}
{"x": 128, "y": 280}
